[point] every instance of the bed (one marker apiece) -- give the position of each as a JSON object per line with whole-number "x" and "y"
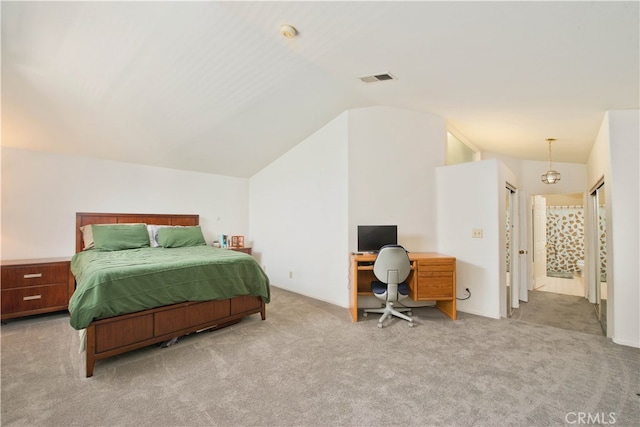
{"x": 127, "y": 297}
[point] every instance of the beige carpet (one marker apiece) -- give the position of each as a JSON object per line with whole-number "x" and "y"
{"x": 560, "y": 311}
{"x": 309, "y": 365}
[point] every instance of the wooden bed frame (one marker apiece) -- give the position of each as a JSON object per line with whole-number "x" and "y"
{"x": 120, "y": 334}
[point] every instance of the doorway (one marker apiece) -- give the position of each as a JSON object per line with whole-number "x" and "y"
{"x": 559, "y": 236}
{"x": 558, "y": 249}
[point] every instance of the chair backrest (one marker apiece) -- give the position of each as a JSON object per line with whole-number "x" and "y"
{"x": 392, "y": 265}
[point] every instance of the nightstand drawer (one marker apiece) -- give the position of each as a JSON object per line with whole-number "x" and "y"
{"x": 34, "y": 275}
{"x": 34, "y": 298}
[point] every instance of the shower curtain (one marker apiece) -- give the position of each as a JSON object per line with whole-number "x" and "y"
{"x": 565, "y": 239}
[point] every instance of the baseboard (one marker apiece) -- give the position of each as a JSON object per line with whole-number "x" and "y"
{"x": 477, "y": 313}
{"x": 634, "y": 344}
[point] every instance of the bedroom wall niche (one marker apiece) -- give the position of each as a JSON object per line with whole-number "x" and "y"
{"x": 41, "y": 193}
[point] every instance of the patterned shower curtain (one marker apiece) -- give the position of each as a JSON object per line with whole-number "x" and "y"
{"x": 565, "y": 238}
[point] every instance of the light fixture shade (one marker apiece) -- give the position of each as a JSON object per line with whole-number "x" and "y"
{"x": 551, "y": 177}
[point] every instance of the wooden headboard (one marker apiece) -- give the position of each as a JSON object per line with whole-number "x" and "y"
{"x": 86, "y": 218}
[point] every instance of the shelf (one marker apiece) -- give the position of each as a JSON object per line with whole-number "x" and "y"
{"x": 365, "y": 293}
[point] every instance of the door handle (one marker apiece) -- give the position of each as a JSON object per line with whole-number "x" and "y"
{"x": 522, "y": 252}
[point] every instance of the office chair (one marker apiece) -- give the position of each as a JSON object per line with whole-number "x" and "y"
{"x": 391, "y": 268}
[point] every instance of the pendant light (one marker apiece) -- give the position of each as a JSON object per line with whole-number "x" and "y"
{"x": 551, "y": 176}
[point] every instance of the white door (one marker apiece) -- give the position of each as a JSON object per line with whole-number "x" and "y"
{"x": 539, "y": 241}
{"x": 525, "y": 237}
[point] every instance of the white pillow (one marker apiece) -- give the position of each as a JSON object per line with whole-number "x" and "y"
{"x": 87, "y": 237}
{"x": 153, "y": 233}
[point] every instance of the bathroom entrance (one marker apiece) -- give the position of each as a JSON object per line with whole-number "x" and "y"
{"x": 559, "y": 295}
{"x": 559, "y": 243}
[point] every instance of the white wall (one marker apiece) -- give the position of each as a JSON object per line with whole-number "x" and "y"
{"x": 573, "y": 180}
{"x": 468, "y": 197}
{"x": 368, "y": 166}
{"x": 41, "y": 193}
{"x": 299, "y": 214}
{"x": 573, "y": 175}
{"x": 615, "y": 156}
{"x": 393, "y": 154}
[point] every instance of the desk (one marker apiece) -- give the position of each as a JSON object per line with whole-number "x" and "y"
{"x": 432, "y": 278}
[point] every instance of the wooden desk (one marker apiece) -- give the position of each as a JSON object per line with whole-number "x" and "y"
{"x": 432, "y": 278}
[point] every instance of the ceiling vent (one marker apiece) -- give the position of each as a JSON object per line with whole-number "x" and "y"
{"x": 377, "y": 78}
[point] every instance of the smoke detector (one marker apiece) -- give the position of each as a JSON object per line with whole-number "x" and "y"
{"x": 288, "y": 31}
{"x": 377, "y": 78}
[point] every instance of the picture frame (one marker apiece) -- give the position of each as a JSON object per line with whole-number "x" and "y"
{"x": 237, "y": 241}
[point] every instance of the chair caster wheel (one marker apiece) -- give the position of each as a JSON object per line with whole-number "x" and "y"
{"x": 365, "y": 314}
{"x": 409, "y": 313}
{"x": 380, "y": 325}
{"x": 411, "y": 324}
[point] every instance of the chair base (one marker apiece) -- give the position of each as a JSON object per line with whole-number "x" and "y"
{"x": 390, "y": 310}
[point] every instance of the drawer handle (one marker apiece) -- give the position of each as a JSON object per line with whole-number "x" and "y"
{"x": 32, "y": 276}
{"x": 32, "y": 297}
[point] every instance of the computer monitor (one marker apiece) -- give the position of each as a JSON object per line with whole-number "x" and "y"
{"x": 372, "y": 237}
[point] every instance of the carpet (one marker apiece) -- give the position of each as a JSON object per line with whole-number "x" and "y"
{"x": 569, "y": 312}
{"x": 308, "y": 364}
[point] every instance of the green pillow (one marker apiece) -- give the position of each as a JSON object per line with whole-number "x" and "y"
{"x": 178, "y": 237}
{"x": 115, "y": 237}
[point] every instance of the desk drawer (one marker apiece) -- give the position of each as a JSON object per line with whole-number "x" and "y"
{"x": 424, "y": 266}
{"x": 33, "y": 298}
{"x": 435, "y": 284}
{"x": 34, "y": 275}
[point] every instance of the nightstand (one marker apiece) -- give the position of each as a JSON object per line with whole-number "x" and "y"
{"x": 245, "y": 250}
{"x": 35, "y": 286}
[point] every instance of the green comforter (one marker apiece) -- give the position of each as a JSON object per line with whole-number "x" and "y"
{"x": 119, "y": 282}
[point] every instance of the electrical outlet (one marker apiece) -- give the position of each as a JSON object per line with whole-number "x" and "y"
{"x": 476, "y": 233}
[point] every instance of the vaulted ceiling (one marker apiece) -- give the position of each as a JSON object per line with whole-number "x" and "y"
{"x": 214, "y": 86}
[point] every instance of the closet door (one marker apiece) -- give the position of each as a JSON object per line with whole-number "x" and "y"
{"x": 599, "y": 249}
